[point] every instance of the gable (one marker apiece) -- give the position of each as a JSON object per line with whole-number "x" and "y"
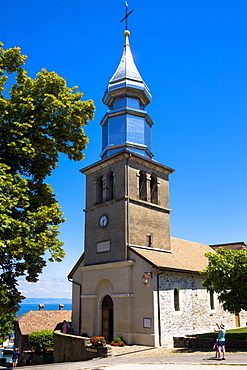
{"x": 78, "y": 264}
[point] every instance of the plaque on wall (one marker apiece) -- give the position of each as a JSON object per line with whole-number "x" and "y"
{"x": 103, "y": 246}
{"x": 147, "y": 323}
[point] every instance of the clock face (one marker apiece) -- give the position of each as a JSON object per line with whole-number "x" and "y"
{"x": 103, "y": 221}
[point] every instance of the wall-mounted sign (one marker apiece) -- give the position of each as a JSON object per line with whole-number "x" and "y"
{"x": 147, "y": 323}
{"x": 103, "y": 247}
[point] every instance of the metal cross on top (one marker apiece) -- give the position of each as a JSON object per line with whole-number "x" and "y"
{"x": 126, "y": 15}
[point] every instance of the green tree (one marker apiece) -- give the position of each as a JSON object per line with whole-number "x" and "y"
{"x": 226, "y": 274}
{"x": 39, "y": 119}
{"x": 41, "y": 340}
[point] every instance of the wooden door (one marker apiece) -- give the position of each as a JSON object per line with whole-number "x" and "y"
{"x": 237, "y": 320}
{"x": 107, "y": 318}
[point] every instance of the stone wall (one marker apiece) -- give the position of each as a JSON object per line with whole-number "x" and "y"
{"x": 207, "y": 343}
{"x": 195, "y": 315}
{"x": 37, "y": 359}
{"x": 69, "y": 348}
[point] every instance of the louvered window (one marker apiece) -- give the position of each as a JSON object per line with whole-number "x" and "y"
{"x": 142, "y": 186}
{"x": 154, "y": 189}
{"x": 99, "y": 195}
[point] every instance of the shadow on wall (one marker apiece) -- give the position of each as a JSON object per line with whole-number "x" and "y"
{"x": 68, "y": 348}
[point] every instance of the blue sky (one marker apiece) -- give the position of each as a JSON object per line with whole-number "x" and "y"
{"x": 193, "y": 57}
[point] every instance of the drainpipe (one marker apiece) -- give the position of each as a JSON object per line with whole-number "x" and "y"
{"x": 128, "y": 203}
{"x": 74, "y": 282}
{"x": 158, "y": 301}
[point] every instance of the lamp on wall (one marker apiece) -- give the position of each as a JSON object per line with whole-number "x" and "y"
{"x": 146, "y": 277}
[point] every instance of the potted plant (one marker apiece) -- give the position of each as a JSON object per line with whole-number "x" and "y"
{"x": 118, "y": 342}
{"x": 98, "y": 341}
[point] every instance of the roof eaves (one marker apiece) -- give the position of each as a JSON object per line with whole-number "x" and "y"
{"x": 70, "y": 275}
{"x": 178, "y": 270}
{"x": 224, "y": 244}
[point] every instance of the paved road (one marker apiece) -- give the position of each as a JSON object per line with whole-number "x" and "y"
{"x": 234, "y": 361}
{"x": 148, "y": 366}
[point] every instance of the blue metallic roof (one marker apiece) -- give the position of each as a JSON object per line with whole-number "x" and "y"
{"x": 126, "y": 67}
{"x": 127, "y": 77}
{"x": 126, "y": 125}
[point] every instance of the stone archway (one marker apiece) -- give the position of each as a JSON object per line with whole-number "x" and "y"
{"x": 107, "y": 318}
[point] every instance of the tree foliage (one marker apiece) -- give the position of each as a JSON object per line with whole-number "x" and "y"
{"x": 41, "y": 340}
{"x": 39, "y": 119}
{"x": 226, "y": 274}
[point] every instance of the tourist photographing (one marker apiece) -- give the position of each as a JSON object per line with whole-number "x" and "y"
{"x": 220, "y": 329}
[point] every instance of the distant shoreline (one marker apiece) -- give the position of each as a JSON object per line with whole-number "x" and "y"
{"x": 46, "y": 300}
{"x": 32, "y": 304}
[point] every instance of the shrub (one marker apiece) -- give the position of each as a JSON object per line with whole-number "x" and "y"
{"x": 118, "y": 342}
{"x": 118, "y": 339}
{"x": 85, "y": 335}
{"x": 41, "y": 339}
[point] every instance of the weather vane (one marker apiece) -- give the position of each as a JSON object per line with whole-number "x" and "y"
{"x": 126, "y": 15}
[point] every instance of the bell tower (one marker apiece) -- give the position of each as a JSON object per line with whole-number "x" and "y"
{"x": 127, "y": 192}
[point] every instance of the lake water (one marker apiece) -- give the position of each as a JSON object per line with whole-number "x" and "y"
{"x": 33, "y": 305}
{"x": 8, "y": 356}
{"x": 25, "y": 307}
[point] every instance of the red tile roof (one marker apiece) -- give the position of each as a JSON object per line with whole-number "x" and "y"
{"x": 184, "y": 255}
{"x": 41, "y": 320}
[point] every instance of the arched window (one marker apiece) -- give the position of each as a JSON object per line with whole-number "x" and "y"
{"x": 142, "y": 186}
{"x": 110, "y": 185}
{"x": 154, "y": 189}
{"x": 176, "y": 300}
{"x": 99, "y": 189}
{"x": 212, "y": 305}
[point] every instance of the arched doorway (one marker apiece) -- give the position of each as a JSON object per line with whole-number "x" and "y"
{"x": 107, "y": 318}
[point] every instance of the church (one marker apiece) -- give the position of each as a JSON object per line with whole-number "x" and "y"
{"x": 134, "y": 280}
